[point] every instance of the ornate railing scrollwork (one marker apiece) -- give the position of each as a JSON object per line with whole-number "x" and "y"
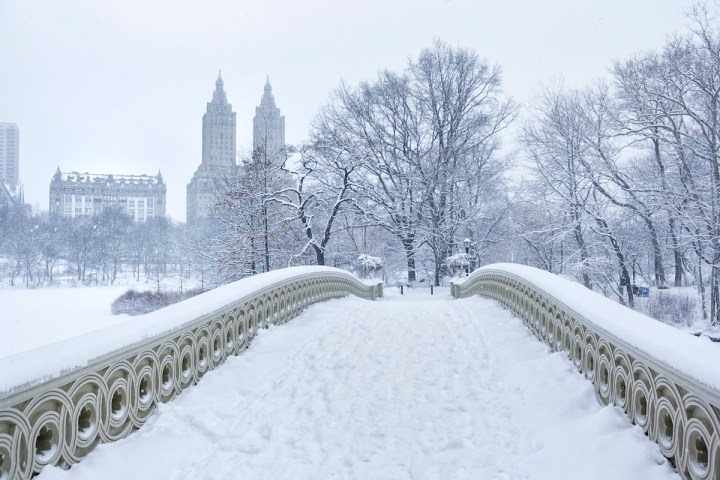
{"x": 677, "y": 406}
{"x": 57, "y": 420}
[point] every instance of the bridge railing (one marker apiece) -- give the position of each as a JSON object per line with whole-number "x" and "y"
{"x": 667, "y": 381}
{"x": 59, "y": 401}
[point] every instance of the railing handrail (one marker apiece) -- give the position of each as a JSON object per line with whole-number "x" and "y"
{"x": 55, "y": 411}
{"x": 674, "y": 397}
{"x": 700, "y": 350}
{"x": 142, "y": 328}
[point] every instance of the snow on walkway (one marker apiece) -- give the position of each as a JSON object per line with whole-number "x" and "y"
{"x": 409, "y": 389}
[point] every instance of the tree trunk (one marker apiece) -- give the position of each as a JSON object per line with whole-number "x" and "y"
{"x": 715, "y": 295}
{"x": 438, "y": 271}
{"x": 319, "y": 255}
{"x": 677, "y": 254}
{"x": 701, "y": 289}
{"x": 583, "y": 254}
{"x": 266, "y": 234}
{"x": 408, "y": 244}
{"x": 660, "y": 279}
{"x": 620, "y": 257}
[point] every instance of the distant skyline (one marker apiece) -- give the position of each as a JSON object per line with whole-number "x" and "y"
{"x": 121, "y": 87}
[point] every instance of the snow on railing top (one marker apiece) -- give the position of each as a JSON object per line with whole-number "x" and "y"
{"x": 39, "y": 365}
{"x": 696, "y": 357}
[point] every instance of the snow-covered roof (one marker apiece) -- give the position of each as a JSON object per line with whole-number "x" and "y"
{"x": 76, "y": 177}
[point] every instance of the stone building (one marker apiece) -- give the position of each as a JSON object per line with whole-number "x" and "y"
{"x": 10, "y": 154}
{"x": 84, "y": 194}
{"x": 218, "y": 155}
{"x": 268, "y": 126}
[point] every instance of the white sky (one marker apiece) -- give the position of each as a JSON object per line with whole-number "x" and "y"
{"x": 110, "y": 86}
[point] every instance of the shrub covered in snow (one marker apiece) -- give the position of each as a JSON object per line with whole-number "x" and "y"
{"x": 369, "y": 266}
{"x": 671, "y": 306}
{"x": 458, "y": 263}
{"x": 134, "y": 303}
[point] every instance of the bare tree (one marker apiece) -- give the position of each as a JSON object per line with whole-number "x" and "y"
{"x": 113, "y": 227}
{"x": 694, "y": 64}
{"x": 324, "y": 184}
{"x": 428, "y": 136}
{"x": 554, "y": 139}
{"x": 379, "y": 123}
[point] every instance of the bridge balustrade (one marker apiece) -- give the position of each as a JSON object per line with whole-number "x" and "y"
{"x": 677, "y": 406}
{"x": 54, "y": 419}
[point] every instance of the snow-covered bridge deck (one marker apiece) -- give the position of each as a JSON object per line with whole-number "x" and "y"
{"x": 418, "y": 387}
{"x": 407, "y": 387}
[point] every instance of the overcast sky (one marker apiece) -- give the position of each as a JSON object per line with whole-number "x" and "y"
{"x": 108, "y": 86}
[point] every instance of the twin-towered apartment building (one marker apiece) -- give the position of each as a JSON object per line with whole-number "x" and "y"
{"x": 219, "y": 146}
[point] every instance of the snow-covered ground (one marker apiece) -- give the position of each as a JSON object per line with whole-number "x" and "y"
{"x": 34, "y": 317}
{"x": 407, "y": 387}
{"x": 679, "y": 307}
{"x": 31, "y": 318}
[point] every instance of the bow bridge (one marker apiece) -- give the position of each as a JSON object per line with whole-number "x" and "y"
{"x": 425, "y": 387}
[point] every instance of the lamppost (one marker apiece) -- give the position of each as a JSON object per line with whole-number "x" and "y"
{"x": 467, "y": 254}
